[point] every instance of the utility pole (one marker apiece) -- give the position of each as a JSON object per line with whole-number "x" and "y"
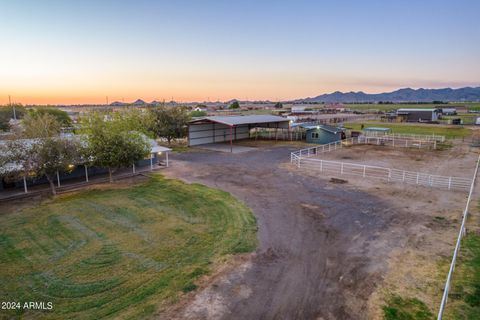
{"x": 13, "y": 107}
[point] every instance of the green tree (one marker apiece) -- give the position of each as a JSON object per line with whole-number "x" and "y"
{"x": 7, "y": 113}
{"x": 61, "y": 116}
{"x": 194, "y": 114}
{"x": 234, "y": 105}
{"x": 112, "y": 141}
{"x": 39, "y": 151}
{"x": 278, "y": 105}
{"x": 169, "y": 123}
{"x": 39, "y": 126}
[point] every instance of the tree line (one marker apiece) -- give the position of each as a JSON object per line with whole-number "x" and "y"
{"x": 107, "y": 140}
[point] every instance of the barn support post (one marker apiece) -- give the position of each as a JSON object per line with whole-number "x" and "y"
{"x": 25, "y": 184}
{"x": 86, "y": 173}
{"x": 58, "y": 179}
{"x": 213, "y": 132}
{"x": 231, "y": 141}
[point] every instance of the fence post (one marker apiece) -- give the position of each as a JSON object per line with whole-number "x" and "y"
{"x": 25, "y": 184}
{"x": 449, "y": 183}
{"x": 418, "y": 176}
{"x": 58, "y": 179}
{"x": 341, "y": 168}
{"x": 86, "y": 173}
{"x": 406, "y": 143}
{"x": 364, "y": 170}
{"x": 321, "y": 165}
{"x": 403, "y": 177}
{"x": 435, "y": 144}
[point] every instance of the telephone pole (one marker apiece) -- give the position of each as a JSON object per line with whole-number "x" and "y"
{"x": 13, "y": 107}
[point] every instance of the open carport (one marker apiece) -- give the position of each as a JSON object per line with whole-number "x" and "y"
{"x": 226, "y": 129}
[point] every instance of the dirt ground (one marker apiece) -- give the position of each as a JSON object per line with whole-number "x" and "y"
{"x": 456, "y": 161}
{"x": 326, "y": 250}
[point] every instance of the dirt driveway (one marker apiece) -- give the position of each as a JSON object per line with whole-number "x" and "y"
{"x": 323, "y": 247}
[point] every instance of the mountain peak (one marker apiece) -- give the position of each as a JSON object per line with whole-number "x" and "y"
{"x": 401, "y": 95}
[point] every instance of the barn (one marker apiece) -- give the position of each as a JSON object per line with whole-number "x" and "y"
{"x": 217, "y": 129}
{"x": 418, "y": 115}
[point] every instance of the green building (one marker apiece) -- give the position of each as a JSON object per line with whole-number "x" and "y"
{"x": 323, "y": 134}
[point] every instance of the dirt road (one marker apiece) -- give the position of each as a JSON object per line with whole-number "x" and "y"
{"x": 322, "y": 246}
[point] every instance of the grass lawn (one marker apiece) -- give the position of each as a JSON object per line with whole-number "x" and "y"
{"x": 464, "y": 296}
{"x": 118, "y": 253}
{"x": 415, "y": 128}
{"x": 398, "y": 308}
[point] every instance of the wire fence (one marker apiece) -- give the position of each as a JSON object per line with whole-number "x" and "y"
{"x": 306, "y": 158}
{"x": 461, "y": 234}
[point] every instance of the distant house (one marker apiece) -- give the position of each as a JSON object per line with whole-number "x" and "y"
{"x": 200, "y": 109}
{"x": 323, "y": 134}
{"x": 449, "y": 111}
{"x": 418, "y": 115}
{"x": 378, "y": 130}
{"x": 298, "y": 109}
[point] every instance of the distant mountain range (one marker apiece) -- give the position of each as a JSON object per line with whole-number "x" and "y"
{"x": 467, "y": 94}
{"x": 401, "y": 95}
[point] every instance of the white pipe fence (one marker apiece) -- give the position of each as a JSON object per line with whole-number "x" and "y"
{"x": 380, "y": 140}
{"x": 432, "y": 137}
{"x": 461, "y": 233}
{"x": 304, "y": 159}
{"x": 383, "y": 173}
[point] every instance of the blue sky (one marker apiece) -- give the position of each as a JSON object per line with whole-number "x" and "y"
{"x": 82, "y": 51}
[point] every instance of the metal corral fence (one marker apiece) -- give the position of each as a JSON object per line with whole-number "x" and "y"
{"x": 380, "y": 140}
{"x": 423, "y": 137}
{"x": 277, "y": 134}
{"x": 305, "y": 159}
{"x": 461, "y": 233}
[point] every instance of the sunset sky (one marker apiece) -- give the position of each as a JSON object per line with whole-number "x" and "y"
{"x": 68, "y": 52}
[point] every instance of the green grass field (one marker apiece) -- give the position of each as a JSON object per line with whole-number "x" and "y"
{"x": 118, "y": 253}
{"x": 415, "y": 128}
{"x": 398, "y": 308}
{"x": 387, "y": 107}
{"x": 464, "y": 296}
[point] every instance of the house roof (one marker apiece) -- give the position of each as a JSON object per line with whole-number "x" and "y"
{"x": 417, "y": 109}
{"x": 238, "y": 120}
{"x": 379, "y": 129}
{"x": 324, "y": 127}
